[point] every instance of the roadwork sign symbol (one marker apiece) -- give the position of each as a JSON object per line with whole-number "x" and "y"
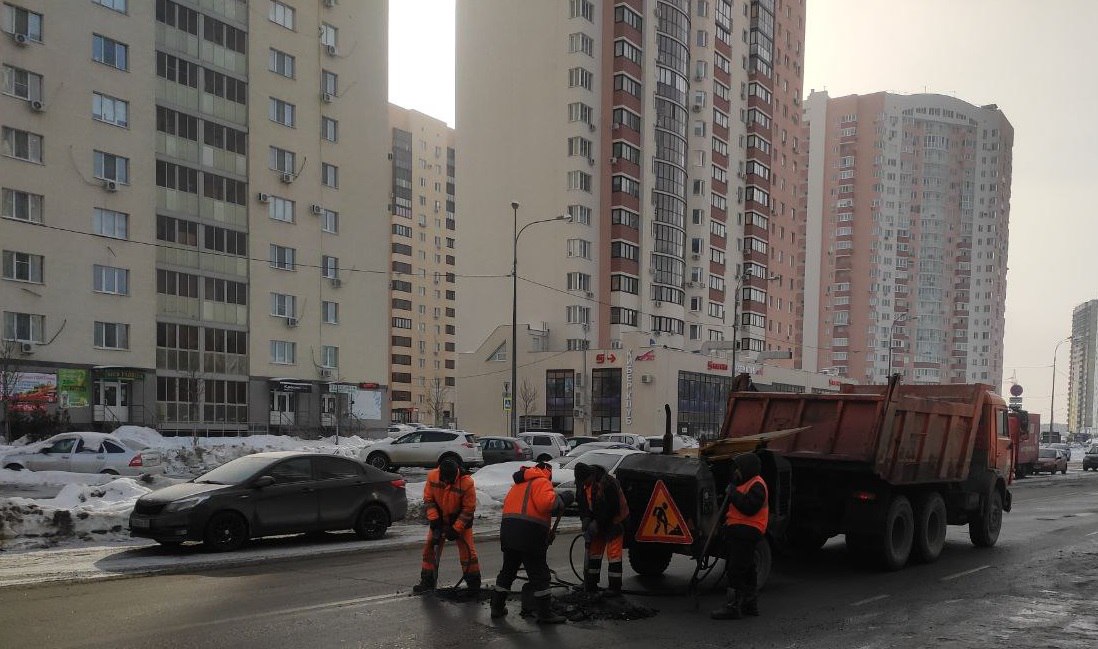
{"x": 662, "y": 522}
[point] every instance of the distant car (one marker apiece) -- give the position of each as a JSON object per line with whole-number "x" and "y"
{"x": 1051, "y": 460}
{"x": 570, "y": 456}
{"x": 638, "y": 442}
{"x": 86, "y": 452}
{"x": 425, "y": 448}
{"x": 573, "y": 442}
{"x": 546, "y": 445}
{"x": 1090, "y": 460}
{"x": 504, "y": 449}
{"x": 272, "y": 493}
{"x": 1066, "y": 448}
{"x": 608, "y": 459}
{"x": 655, "y": 443}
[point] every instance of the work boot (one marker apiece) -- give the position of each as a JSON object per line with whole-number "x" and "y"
{"x": 615, "y": 585}
{"x": 590, "y": 583}
{"x": 750, "y": 606}
{"x": 426, "y": 583}
{"x": 545, "y": 611}
{"x": 499, "y": 603}
{"x": 472, "y": 582}
{"x": 529, "y": 602}
{"x": 730, "y": 610}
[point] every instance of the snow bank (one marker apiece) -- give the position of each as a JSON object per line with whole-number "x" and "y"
{"x": 52, "y": 478}
{"x": 80, "y": 511}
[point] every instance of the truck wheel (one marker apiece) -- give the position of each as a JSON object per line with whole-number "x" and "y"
{"x": 898, "y": 534}
{"x": 930, "y": 527}
{"x": 763, "y": 560}
{"x": 983, "y": 531}
{"x": 649, "y": 560}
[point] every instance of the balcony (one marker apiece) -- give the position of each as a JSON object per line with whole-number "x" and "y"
{"x": 178, "y": 95}
{"x": 229, "y": 111}
{"x": 224, "y": 160}
{"x": 222, "y": 312}
{"x": 176, "y": 201}
{"x": 170, "y": 38}
{"x": 177, "y": 307}
{"x": 229, "y": 213}
{"x": 177, "y": 147}
{"x": 224, "y": 58}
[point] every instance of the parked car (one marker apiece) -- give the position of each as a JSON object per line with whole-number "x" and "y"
{"x": 1065, "y": 448}
{"x": 265, "y": 494}
{"x": 638, "y": 442}
{"x": 1051, "y": 460}
{"x": 86, "y": 452}
{"x": 573, "y": 442}
{"x": 426, "y": 448}
{"x": 1090, "y": 460}
{"x": 608, "y": 458}
{"x": 546, "y": 445}
{"x": 678, "y": 442}
{"x": 571, "y": 455}
{"x": 504, "y": 449}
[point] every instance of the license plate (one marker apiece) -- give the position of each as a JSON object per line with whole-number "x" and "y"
{"x": 139, "y": 523}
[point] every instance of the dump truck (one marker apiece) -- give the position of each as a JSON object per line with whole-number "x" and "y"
{"x": 1025, "y": 435}
{"x": 886, "y": 466}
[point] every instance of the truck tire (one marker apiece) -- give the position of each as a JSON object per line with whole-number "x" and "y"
{"x": 930, "y": 527}
{"x": 763, "y": 561}
{"x": 983, "y": 530}
{"x": 649, "y": 559}
{"x": 898, "y": 534}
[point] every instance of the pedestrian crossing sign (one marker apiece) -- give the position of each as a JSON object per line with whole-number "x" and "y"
{"x": 662, "y": 522}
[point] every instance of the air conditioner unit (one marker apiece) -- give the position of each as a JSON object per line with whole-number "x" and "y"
{"x": 646, "y": 378}
{"x": 591, "y": 127}
{"x": 697, "y": 108}
{"x": 695, "y": 256}
{"x": 613, "y": 161}
{"x": 291, "y": 321}
{"x": 36, "y": 105}
{"x": 657, "y": 304}
{"x": 615, "y": 343}
{"x": 287, "y": 178}
{"x": 316, "y": 209}
{"x": 26, "y": 348}
{"x": 586, "y": 326}
{"x": 578, "y": 413}
{"x": 327, "y": 97}
{"x": 616, "y": 126}
{"x": 110, "y": 185}
{"x": 589, "y": 295}
{"x": 331, "y": 49}
{"x": 325, "y": 373}
{"x": 20, "y": 39}
{"x": 699, "y": 77}
{"x": 263, "y": 198}
{"x": 336, "y": 282}
{"x": 591, "y": 161}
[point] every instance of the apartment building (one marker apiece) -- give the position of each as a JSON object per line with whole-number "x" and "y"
{"x": 1083, "y": 368}
{"x": 192, "y": 215}
{"x": 423, "y": 289}
{"x": 909, "y": 206}
{"x": 631, "y": 120}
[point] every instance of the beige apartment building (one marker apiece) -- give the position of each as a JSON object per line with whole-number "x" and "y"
{"x": 193, "y": 216}
{"x": 908, "y": 214}
{"x": 1083, "y": 369}
{"x": 630, "y": 119}
{"x": 423, "y": 291}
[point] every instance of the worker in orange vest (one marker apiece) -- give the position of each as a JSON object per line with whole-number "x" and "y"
{"x": 525, "y": 535}
{"x": 450, "y": 499}
{"x": 603, "y": 511}
{"x": 744, "y": 526}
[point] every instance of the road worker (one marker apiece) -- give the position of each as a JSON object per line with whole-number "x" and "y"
{"x": 450, "y": 500}
{"x": 744, "y": 526}
{"x": 603, "y": 512}
{"x": 525, "y": 535}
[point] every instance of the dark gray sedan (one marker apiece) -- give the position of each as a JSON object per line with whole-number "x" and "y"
{"x": 504, "y": 449}
{"x": 272, "y": 493}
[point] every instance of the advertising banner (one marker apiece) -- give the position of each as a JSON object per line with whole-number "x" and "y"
{"x": 72, "y": 388}
{"x": 32, "y": 391}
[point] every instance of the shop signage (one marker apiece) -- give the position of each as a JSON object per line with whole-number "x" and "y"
{"x": 605, "y": 358}
{"x": 120, "y": 373}
{"x": 629, "y": 388}
{"x": 649, "y": 355}
{"x": 31, "y": 391}
{"x": 713, "y": 365}
{"x": 342, "y": 388}
{"x": 72, "y": 388}
{"x": 288, "y": 385}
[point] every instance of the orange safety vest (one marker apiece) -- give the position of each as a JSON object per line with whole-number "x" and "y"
{"x": 455, "y": 504}
{"x": 532, "y": 499}
{"x": 760, "y": 519}
{"x": 623, "y": 506}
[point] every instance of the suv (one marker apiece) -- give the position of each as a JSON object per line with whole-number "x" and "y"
{"x": 638, "y": 442}
{"x": 1090, "y": 460}
{"x": 546, "y": 445}
{"x": 426, "y": 448}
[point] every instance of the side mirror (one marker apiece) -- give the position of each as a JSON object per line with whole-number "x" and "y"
{"x": 263, "y": 481}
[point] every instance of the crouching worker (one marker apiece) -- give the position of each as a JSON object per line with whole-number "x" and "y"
{"x": 450, "y": 498}
{"x": 603, "y": 511}
{"x": 525, "y": 535}
{"x": 744, "y": 525}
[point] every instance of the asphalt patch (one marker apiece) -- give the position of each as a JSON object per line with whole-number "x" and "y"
{"x": 579, "y": 606}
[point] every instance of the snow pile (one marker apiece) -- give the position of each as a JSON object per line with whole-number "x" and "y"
{"x": 9, "y": 477}
{"x": 493, "y": 482}
{"x": 80, "y": 511}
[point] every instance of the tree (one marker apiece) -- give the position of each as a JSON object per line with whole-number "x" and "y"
{"x": 528, "y": 396}
{"x": 436, "y": 401}
{"x": 10, "y": 375}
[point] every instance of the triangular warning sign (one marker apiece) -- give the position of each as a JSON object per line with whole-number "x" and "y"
{"x": 662, "y": 522}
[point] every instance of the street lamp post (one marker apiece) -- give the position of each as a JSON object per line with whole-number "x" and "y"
{"x": 892, "y": 335}
{"x": 740, "y": 280}
{"x": 514, "y": 305}
{"x": 1052, "y": 400}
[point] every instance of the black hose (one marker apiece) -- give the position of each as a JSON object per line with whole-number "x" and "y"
{"x": 640, "y": 593}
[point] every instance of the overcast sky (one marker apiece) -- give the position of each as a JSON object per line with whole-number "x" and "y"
{"x": 1035, "y": 60}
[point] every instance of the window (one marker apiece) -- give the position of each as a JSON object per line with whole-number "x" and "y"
{"x": 22, "y": 206}
{"x": 281, "y": 160}
{"x": 283, "y": 305}
{"x": 625, "y": 185}
{"x": 577, "y": 314}
{"x": 110, "y": 110}
{"x": 329, "y": 267}
{"x": 329, "y": 356}
{"x": 329, "y": 83}
{"x": 628, "y": 218}
{"x": 283, "y": 352}
{"x": 281, "y": 14}
{"x": 329, "y": 312}
{"x": 224, "y": 86}
{"x": 579, "y": 146}
{"x": 579, "y": 112}
{"x": 625, "y": 49}
{"x": 108, "y": 166}
{"x": 24, "y": 327}
{"x": 281, "y": 209}
{"x": 112, "y": 335}
{"x": 580, "y": 78}
{"x": 176, "y": 123}
{"x": 402, "y": 323}
{"x": 579, "y": 282}
{"x": 580, "y": 42}
{"x": 627, "y": 118}
{"x": 221, "y": 34}
{"x": 116, "y": 5}
{"x": 175, "y": 15}
{"x": 329, "y": 129}
{"x": 177, "y": 70}
{"x": 18, "y": 20}
{"x": 329, "y": 175}
{"x": 22, "y": 145}
{"x": 22, "y": 84}
{"x": 627, "y": 84}
{"x": 580, "y": 214}
{"x": 623, "y": 250}
{"x": 226, "y": 291}
{"x": 225, "y": 137}
{"x": 177, "y": 177}
{"x": 281, "y": 112}
{"x": 108, "y": 279}
{"x": 579, "y": 180}
{"x": 329, "y": 221}
{"x": 625, "y": 284}
{"x": 23, "y": 266}
{"x": 282, "y": 257}
{"x": 623, "y": 14}
{"x": 224, "y": 240}
{"x": 625, "y": 151}
{"x": 581, "y": 9}
{"x": 225, "y": 189}
{"x": 579, "y": 248}
{"x": 623, "y": 316}
{"x": 281, "y": 63}
{"x": 110, "y": 52}
{"x": 328, "y": 35}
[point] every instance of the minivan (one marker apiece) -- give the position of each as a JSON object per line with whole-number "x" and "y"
{"x": 546, "y": 445}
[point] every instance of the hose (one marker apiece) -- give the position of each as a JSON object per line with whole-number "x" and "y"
{"x": 646, "y": 593}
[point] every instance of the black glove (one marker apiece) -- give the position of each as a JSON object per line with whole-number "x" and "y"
{"x": 452, "y": 534}
{"x": 566, "y": 496}
{"x": 437, "y": 525}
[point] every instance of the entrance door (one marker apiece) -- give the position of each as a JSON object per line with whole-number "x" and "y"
{"x": 283, "y": 407}
{"x": 112, "y": 402}
{"x": 329, "y": 405}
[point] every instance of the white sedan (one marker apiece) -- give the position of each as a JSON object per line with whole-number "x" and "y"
{"x": 85, "y": 452}
{"x": 608, "y": 458}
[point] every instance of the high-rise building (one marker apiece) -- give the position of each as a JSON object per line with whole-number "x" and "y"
{"x": 908, "y": 208}
{"x": 1083, "y": 368}
{"x": 423, "y": 290}
{"x": 194, "y": 225}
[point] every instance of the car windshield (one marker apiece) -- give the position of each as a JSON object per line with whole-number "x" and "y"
{"x": 1093, "y": 450}
{"x": 606, "y": 460}
{"x": 235, "y": 472}
{"x": 1048, "y": 452}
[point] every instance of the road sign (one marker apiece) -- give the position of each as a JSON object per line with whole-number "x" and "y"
{"x": 662, "y": 522}
{"x": 1015, "y": 390}
{"x": 506, "y": 404}
{"x": 1015, "y": 401}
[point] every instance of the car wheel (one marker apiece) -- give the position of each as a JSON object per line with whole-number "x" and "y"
{"x": 14, "y": 467}
{"x": 109, "y": 472}
{"x": 372, "y": 522}
{"x": 225, "y": 532}
{"x": 378, "y": 460}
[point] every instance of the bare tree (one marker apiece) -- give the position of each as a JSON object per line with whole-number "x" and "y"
{"x": 528, "y": 396}
{"x": 10, "y": 375}
{"x": 437, "y": 400}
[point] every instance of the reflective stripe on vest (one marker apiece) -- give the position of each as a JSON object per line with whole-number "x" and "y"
{"x": 760, "y": 519}
{"x": 521, "y": 514}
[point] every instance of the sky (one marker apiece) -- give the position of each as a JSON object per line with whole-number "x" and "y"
{"x": 1032, "y": 59}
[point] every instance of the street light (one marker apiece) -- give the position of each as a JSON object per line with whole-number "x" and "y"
{"x": 1052, "y": 401}
{"x": 892, "y": 335}
{"x": 743, "y": 277}
{"x": 514, "y": 305}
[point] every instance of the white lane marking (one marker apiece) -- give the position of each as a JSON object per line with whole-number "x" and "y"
{"x": 964, "y": 573}
{"x": 870, "y": 600}
{"x": 1092, "y": 533}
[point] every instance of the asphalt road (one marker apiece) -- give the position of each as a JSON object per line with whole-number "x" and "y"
{"x": 1037, "y": 587}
